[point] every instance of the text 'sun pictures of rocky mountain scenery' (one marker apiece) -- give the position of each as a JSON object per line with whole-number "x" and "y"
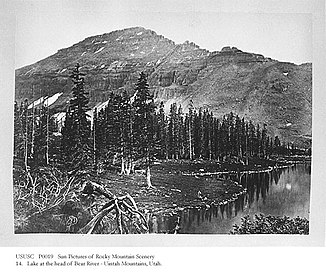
{"x": 129, "y": 132}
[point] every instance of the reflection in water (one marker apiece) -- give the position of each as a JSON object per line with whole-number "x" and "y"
{"x": 279, "y": 192}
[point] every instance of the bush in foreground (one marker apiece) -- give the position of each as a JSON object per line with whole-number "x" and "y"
{"x": 262, "y": 224}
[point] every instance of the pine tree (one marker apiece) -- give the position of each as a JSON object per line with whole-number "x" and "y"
{"x": 95, "y": 139}
{"x": 258, "y": 144}
{"x": 131, "y": 149}
{"x": 245, "y": 145}
{"x": 173, "y": 135}
{"x": 101, "y": 139}
{"x": 180, "y": 133}
{"x": 196, "y": 135}
{"x": 264, "y": 141}
{"x": 215, "y": 138}
{"x": 26, "y": 128}
{"x": 251, "y": 138}
{"x": 43, "y": 137}
{"x": 210, "y": 134}
{"x": 201, "y": 144}
{"x": 18, "y": 132}
{"x": 238, "y": 137}
{"x": 143, "y": 123}
{"x": 125, "y": 140}
{"x": 110, "y": 129}
{"x": 77, "y": 128}
{"x": 277, "y": 145}
{"x": 67, "y": 140}
{"x": 224, "y": 147}
{"x": 231, "y": 130}
{"x": 190, "y": 127}
{"x": 162, "y": 133}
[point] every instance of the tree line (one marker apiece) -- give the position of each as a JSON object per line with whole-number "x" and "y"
{"x": 132, "y": 131}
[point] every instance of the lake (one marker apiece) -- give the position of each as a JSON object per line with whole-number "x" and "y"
{"x": 284, "y": 191}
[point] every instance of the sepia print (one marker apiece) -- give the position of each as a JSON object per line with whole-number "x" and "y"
{"x": 131, "y": 132}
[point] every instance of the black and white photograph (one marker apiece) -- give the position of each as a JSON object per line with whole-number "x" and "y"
{"x": 144, "y": 124}
{"x": 128, "y": 126}
{"x": 173, "y": 123}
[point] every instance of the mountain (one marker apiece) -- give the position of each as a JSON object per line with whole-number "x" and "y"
{"x": 251, "y": 85}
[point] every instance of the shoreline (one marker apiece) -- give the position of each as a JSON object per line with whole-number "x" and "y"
{"x": 231, "y": 197}
{"x": 174, "y": 191}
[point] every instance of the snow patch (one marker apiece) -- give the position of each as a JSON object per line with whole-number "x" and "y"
{"x": 288, "y": 124}
{"x": 100, "y": 42}
{"x": 158, "y": 62}
{"x": 45, "y": 100}
{"x": 116, "y": 64}
{"x": 83, "y": 53}
{"x": 132, "y": 98}
{"x": 102, "y": 66}
{"x": 37, "y": 102}
{"x": 131, "y": 54}
{"x": 62, "y": 70}
{"x": 90, "y": 116}
{"x": 50, "y": 100}
{"x": 99, "y": 50}
{"x": 285, "y": 73}
{"x": 140, "y": 33}
{"x": 29, "y": 71}
{"x": 59, "y": 118}
{"x": 57, "y": 134}
{"x": 100, "y": 106}
{"x": 142, "y": 52}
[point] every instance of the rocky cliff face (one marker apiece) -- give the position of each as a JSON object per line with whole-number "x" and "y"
{"x": 261, "y": 89}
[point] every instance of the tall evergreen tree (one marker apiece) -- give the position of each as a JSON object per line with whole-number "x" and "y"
{"x": 18, "y": 132}
{"x": 173, "y": 133}
{"x": 180, "y": 133}
{"x": 76, "y": 132}
{"x": 190, "y": 127}
{"x": 26, "y": 129}
{"x": 277, "y": 145}
{"x": 162, "y": 132}
{"x": 43, "y": 151}
{"x": 95, "y": 139}
{"x": 264, "y": 141}
{"x": 144, "y": 123}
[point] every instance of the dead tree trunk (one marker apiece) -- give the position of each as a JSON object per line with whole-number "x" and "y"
{"x": 123, "y": 169}
{"x": 26, "y": 139}
{"x": 47, "y": 135}
{"x": 148, "y": 177}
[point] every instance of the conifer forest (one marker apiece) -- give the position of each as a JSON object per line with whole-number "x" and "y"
{"x": 136, "y": 165}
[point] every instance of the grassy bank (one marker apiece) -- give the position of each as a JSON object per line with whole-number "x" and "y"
{"x": 173, "y": 190}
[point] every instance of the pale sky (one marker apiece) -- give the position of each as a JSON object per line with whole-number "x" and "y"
{"x": 43, "y": 27}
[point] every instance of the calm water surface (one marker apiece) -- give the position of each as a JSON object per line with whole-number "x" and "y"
{"x": 279, "y": 192}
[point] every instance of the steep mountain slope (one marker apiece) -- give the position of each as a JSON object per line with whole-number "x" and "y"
{"x": 261, "y": 89}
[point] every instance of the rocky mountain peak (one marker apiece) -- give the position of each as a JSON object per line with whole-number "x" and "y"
{"x": 249, "y": 84}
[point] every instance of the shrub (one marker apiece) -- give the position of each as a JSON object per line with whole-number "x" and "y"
{"x": 262, "y": 224}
